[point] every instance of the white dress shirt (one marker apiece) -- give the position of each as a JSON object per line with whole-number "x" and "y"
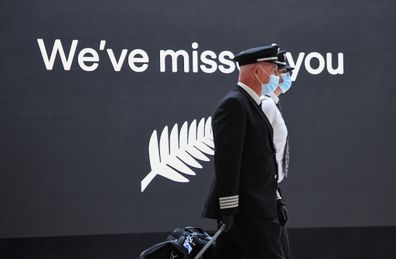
{"x": 279, "y": 128}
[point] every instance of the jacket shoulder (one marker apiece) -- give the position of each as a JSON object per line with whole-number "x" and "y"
{"x": 233, "y": 98}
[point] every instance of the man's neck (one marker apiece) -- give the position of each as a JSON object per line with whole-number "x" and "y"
{"x": 254, "y": 86}
{"x": 250, "y": 91}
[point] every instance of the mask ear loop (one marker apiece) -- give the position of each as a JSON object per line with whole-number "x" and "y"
{"x": 255, "y": 75}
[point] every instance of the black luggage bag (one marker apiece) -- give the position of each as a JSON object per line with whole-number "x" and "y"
{"x": 187, "y": 243}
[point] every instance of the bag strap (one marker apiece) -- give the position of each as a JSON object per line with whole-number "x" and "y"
{"x": 189, "y": 228}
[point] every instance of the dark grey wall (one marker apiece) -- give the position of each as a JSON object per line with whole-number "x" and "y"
{"x": 74, "y": 144}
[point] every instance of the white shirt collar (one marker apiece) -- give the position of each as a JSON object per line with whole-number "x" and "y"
{"x": 274, "y": 97}
{"x": 250, "y": 91}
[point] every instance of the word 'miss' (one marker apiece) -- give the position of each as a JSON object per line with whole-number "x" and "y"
{"x": 206, "y": 61}
{"x": 88, "y": 58}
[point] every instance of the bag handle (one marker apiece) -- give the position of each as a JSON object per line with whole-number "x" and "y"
{"x": 198, "y": 256}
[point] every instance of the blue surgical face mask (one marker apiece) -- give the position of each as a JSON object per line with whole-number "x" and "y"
{"x": 287, "y": 82}
{"x": 271, "y": 85}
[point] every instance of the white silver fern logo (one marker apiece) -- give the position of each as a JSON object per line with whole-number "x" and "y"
{"x": 177, "y": 152}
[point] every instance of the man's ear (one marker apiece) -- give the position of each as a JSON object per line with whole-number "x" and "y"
{"x": 256, "y": 69}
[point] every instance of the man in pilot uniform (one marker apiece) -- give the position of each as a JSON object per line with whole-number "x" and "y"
{"x": 243, "y": 192}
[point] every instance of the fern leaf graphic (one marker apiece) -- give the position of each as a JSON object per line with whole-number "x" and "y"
{"x": 177, "y": 152}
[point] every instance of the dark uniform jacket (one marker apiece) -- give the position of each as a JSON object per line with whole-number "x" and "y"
{"x": 245, "y": 180}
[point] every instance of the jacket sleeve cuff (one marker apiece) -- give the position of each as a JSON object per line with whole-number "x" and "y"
{"x": 229, "y": 202}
